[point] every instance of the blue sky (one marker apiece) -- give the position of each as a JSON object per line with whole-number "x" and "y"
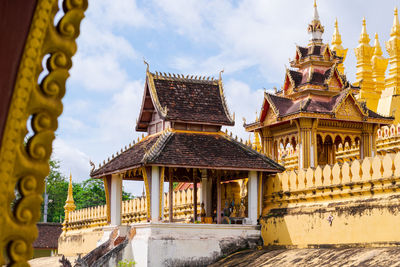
{"x": 251, "y": 40}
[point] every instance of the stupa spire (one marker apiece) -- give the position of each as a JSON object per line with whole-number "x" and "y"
{"x": 377, "y": 46}
{"x": 396, "y": 25}
{"x": 379, "y": 66}
{"x": 364, "y": 70}
{"x": 69, "y": 205}
{"x": 315, "y": 28}
{"x": 337, "y": 46}
{"x": 364, "y": 38}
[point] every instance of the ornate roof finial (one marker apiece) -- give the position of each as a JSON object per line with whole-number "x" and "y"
{"x": 147, "y": 64}
{"x": 396, "y": 25}
{"x": 315, "y": 28}
{"x": 220, "y": 74}
{"x": 364, "y": 38}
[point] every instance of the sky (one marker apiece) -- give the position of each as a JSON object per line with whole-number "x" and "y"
{"x": 251, "y": 40}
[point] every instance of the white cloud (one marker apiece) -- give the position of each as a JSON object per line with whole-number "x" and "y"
{"x": 72, "y": 160}
{"x": 119, "y": 13}
{"x": 244, "y": 102}
{"x": 102, "y": 72}
{"x": 116, "y": 122}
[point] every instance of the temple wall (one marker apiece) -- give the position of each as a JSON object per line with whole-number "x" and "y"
{"x": 355, "y": 203}
{"x": 81, "y": 241}
{"x": 189, "y": 244}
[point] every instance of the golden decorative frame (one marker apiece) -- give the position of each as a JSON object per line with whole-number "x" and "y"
{"x": 25, "y": 165}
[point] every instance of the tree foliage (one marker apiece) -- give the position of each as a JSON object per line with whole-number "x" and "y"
{"x": 88, "y": 193}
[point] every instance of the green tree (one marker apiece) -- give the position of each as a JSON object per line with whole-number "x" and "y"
{"x": 86, "y": 194}
{"x": 57, "y": 190}
{"x": 91, "y": 193}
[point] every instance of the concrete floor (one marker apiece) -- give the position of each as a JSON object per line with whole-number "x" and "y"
{"x": 50, "y": 261}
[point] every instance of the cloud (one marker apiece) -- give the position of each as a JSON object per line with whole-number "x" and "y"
{"x": 99, "y": 73}
{"x": 244, "y": 102}
{"x": 119, "y": 14}
{"x": 116, "y": 123}
{"x": 72, "y": 160}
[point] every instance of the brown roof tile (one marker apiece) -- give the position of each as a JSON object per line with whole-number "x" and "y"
{"x": 131, "y": 157}
{"x": 212, "y": 150}
{"x": 190, "y": 150}
{"x": 287, "y": 106}
{"x": 192, "y": 100}
{"x": 48, "y": 235}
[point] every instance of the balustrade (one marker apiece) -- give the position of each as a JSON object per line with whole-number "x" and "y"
{"x": 372, "y": 175}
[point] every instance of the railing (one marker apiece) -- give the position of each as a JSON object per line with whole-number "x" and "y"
{"x": 134, "y": 211}
{"x": 86, "y": 218}
{"x": 347, "y": 153}
{"x": 369, "y": 176}
{"x": 289, "y": 158}
{"x": 388, "y": 140}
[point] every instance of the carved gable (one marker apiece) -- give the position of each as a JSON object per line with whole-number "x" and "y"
{"x": 270, "y": 117}
{"x": 334, "y": 83}
{"x": 348, "y": 110}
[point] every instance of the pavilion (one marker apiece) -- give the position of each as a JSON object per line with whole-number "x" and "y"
{"x": 317, "y": 108}
{"x": 182, "y": 117}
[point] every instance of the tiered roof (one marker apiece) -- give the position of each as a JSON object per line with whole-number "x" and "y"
{"x": 194, "y": 101}
{"x": 314, "y": 88}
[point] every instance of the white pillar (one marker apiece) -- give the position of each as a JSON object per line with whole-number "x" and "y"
{"x": 155, "y": 194}
{"x": 205, "y": 192}
{"x": 252, "y": 193}
{"x": 116, "y": 199}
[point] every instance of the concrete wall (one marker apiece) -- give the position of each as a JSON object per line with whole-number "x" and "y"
{"x": 166, "y": 244}
{"x": 341, "y": 205}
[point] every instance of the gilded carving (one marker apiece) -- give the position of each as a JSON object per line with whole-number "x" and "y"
{"x": 349, "y": 111}
{"x": 24, "y": 166}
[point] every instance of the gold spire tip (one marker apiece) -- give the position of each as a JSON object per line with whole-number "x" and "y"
{"x": 363, "y": 22}
{"x": 395, "y": 11}
{"x": 315, "y": 3}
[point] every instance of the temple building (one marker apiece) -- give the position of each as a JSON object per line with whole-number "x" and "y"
{"x": 316, "y": 108}
{"x": 182, "y": 118}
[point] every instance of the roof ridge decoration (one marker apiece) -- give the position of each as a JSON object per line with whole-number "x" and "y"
{"x": 181, "y": 77}
{"x": 153, "y": 92}
{"x": 157, "y": 146}
{"x": 290, "y": 77}
{"x": 251, "y": 150}
{"x": 315, "y": 28}
{"x": 271, "y": 103}
{"x": 222, "y": 95}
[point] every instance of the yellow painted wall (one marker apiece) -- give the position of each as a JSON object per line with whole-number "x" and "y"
{"x": 362, "y": 199}
{"x": 77, "y": 242}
